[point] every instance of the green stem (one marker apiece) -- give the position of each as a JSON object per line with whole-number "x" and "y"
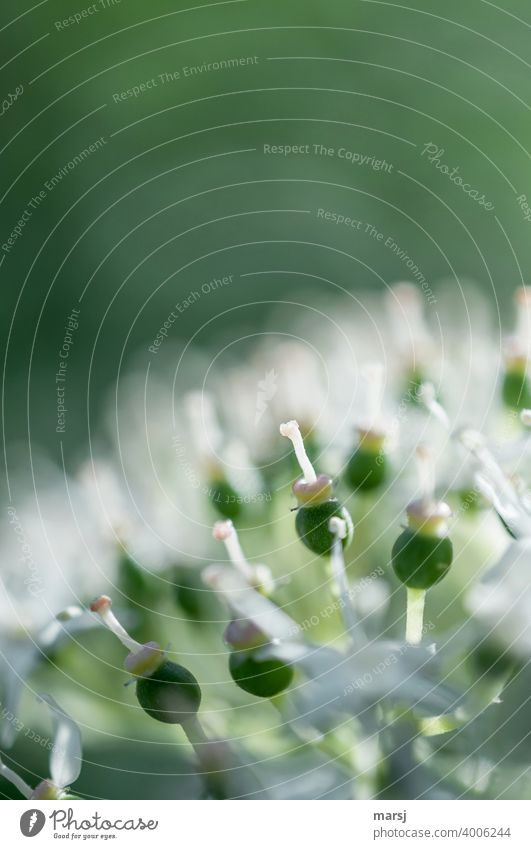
{"x": 208, "y": 755}
{"x": 414, "y": 615}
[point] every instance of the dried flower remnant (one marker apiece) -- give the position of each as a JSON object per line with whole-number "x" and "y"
{"x": 165, "y": 690}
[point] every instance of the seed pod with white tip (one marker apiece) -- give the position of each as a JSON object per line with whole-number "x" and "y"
{"x": 368, "y": 466}
{"x": 423, "y": 553}
{"x": 165, "y": 690}
{"x": 316, "y": 500}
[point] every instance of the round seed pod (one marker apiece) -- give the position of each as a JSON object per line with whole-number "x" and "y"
{"x": 225, "y": 499}
{"x": 317, "y": 505}
{"x": 264, "y": 678}
{"x": 312, "y": 526}
{"x": 516, "y": 393}
{"x": 366, "y": 470}
{"x": 170, "y": 694}
{"x": 421, "y": 561}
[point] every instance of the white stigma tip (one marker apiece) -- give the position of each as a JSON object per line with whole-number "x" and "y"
{"x": 102, "y": 607}
{"x": 292, "y": 431}
{"x": 289, "y": 429}
{"x": 223, "y": 530}
{"x": 226, "y": 532}
{"x": 472, "y": 440}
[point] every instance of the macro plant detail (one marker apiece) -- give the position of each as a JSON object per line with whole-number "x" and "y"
{"x": 347, "y": 633}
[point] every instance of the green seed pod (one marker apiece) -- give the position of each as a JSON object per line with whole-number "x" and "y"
{"x": 423, "y": 553}
{"x": 492, "y": 660}
{"x": 264, "y": 678}
{"x": 170, "y": 694}
{"x": 225, "y": 499}
{"x": 367, "y": 469}
{"x": 312, "y": 525}
{"x": 133, "y": 581}
{"x": 317, "y": 505}
{"x": 516, "y": 393}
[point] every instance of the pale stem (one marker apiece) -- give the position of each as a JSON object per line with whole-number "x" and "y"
{"x": 338, "y": 527}
{"x": 16, "y": 780}
{"x": 226, "y": 532}
{"x": 426, "y": 475}
{"x": 102, "y": 607}
{"x": 427, "y": 395}
{"x": 415, "y": 616}
{"x": 496, "y": 479}
{"x": 291, "y": 430}
{"x": 208, "y": 754}
{"x": 373, "y": 378}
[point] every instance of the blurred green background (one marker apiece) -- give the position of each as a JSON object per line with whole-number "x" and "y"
{"x": 180, "y": 191}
